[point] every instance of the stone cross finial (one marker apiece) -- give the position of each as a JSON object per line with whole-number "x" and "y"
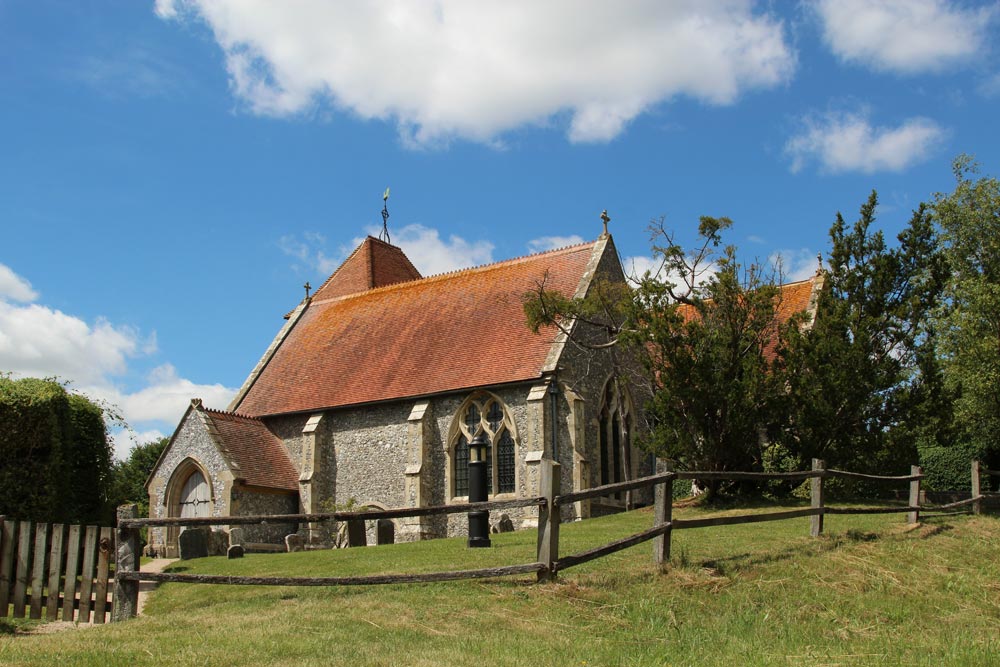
{"x": 605, "y": 218}
{"x": 819, "y": 263}
{"x": 308, "y": 287}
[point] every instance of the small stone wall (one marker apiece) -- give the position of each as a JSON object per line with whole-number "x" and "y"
{"x": 248, "y": 502}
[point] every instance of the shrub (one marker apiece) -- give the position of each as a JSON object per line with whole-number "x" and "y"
{"x": 949, "y": 468}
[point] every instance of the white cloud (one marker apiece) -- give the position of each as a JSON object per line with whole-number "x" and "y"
{"x": 310, "y": 251}
{"x": 552, "y": 242}
{"x": 842, "y": 142}
{"x": 794, "y": 265}
{"x": 164, "y": 397}
{"x": 904, "y": 36}
{"x": 455, "y": 69}
{"x": 433, "y": 255}
{"x": 636, "y": 267}
{"x": 13, "y": 287}
{"x": 41, "y": 342}
{"x": 38, "y": 341}
{"x": 123, "y": 441}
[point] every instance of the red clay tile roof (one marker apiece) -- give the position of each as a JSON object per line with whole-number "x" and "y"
{"x": 795, "y": 298}
{"x": 374, "y": 263}
{"x": 261, "y": 457}
{"x": 449, "y": 332}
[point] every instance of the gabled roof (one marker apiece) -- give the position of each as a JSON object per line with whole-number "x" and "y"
{"x": 254, "y": 455}
{"x": 443, "y": 333}
{"x": 374, "y": 263}
{"x": 260, "y": 458}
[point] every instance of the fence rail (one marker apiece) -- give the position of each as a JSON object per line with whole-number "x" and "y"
{"x": 372, "y": 515}
{"x": 549, "y": 562}
{"x": 61, "y": 570}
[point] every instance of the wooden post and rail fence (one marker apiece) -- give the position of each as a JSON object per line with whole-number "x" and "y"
{"x": 32, "y": 578}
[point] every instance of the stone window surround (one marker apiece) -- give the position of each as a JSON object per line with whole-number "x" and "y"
{"x": 455, "y": 432}
{"x": 613, "y": 403}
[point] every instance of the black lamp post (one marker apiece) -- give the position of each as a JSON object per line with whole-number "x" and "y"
{"x": 479, "y": 521}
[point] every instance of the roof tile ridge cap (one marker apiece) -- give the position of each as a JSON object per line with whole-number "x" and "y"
{"x": 230, "y": 413}
{"x": 450, "y": 274}
{"x": 793, "y": 283}
{"x": 513, "y": 260}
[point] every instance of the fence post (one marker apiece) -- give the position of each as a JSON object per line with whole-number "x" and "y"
{"x": 816, "y": 496}
{"x": 549, "y": 517}
{"x": 126, "y": 595}
{"x": 914, "y": 516}
{"x": 663, "y": 513}
{"x": 977, "y": 505}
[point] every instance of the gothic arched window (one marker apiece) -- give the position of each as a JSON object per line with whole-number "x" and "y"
{"x": 614, "y": 436}
{"x": 484, "y": 413}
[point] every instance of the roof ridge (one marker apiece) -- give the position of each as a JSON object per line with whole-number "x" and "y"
{"x": 342, "y": 264}
{"x": 810, "y": 279}
{"x": 436, "y": 277}
{"x": 228, "y": 413}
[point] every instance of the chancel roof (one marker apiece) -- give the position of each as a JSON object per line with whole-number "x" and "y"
{"x": 424, "y": 336}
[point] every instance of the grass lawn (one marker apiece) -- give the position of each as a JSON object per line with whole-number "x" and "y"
{"x": 869, "y": 592}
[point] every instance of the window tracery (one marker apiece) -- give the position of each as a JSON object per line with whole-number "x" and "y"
{"x": 484, "y": 413}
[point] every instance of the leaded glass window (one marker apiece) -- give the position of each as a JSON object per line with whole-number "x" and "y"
{"x": 462, "y": 467}
{"x": 486, "y": 414}
{"x": 505, "y": 463}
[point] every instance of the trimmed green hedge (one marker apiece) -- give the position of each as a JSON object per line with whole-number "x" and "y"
{"x": 950, "y": 468}
{"x": 55, "y": 459}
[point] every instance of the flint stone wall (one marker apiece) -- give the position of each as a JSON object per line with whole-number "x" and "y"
{"x": 192, "y": 441}
{"x": 247, "y": 502}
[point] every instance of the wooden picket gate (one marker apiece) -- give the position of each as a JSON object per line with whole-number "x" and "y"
{"x": 63, "y": 569}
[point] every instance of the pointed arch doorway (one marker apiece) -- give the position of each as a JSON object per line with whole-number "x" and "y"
{"x": 189, "y": 495}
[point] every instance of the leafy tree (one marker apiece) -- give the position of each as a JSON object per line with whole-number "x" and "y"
{"x": 129, "y": 476}
{"x": 55, "y": 458}
{"x": 703, "y": 338}
{"x": 705, "y": 342}
{"x": 854, "y": 380}
{"x": 969, "y": 319}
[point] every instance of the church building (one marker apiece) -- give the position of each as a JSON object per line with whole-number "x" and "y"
{"x": 372, "y": 390}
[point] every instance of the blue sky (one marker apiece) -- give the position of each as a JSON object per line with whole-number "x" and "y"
{"x": 172, "y": 172}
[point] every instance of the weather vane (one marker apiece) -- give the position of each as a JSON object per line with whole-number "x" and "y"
{"x": 385, "y": 217}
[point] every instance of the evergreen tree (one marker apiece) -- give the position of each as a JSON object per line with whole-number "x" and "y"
{"x": 854, "y": 381}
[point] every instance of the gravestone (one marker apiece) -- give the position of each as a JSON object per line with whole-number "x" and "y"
{"x": 385, "y": 531}
{"x": 357, "y": 536}
{"x": 294, "y": 542}
{"x": 235, "y": 551}
{"x": 235, "y": 536}
{"x": 502, "y": 525}
{"x": 218, "y": 542}
{"x": 193, "y": 543}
